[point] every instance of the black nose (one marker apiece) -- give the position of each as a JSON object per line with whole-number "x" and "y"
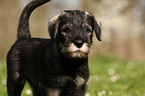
{"x": 78, "y": 43}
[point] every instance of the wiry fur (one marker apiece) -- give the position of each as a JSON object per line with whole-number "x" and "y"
{"x": 56, "y": 66}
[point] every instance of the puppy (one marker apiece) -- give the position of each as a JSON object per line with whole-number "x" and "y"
{"x": 56, "y": 66}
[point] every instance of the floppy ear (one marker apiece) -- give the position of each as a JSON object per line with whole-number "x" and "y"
{"x": 53, "y": 25}
{"x": 97, "y": 28}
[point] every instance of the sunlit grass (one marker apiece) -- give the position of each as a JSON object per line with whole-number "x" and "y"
{"x": 2, "y": 78}
{"x": 110, "y": 76}
{"x": 116, "y": 77}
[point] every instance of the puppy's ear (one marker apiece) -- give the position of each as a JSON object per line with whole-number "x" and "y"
{"x": 53, "y": 26}
{"x": 97, "y": 28}
{"x": 96, "y": 25}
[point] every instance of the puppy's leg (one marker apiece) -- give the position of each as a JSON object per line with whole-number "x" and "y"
{"x": 39, "y": 91}
{"x": 71, "y": 89}
{"x": 36, "y": 91}
{"x": 15, "y": 80}
{"x": 14, "y": 87}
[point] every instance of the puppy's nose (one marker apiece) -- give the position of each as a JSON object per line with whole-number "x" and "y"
{"x": 78, "y": 43}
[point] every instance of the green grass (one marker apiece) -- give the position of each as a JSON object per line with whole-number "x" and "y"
{"x": 110, "y": 76}
{"x": 115, "y": 77}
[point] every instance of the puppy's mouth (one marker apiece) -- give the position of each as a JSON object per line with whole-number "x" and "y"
{"x": 72, "y": 51}
{"x": 78, "y": 54}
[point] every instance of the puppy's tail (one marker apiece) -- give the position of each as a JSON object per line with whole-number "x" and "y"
{"x": 23, "y": 27}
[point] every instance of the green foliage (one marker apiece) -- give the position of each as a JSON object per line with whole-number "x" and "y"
{"x": 110, "y": 76}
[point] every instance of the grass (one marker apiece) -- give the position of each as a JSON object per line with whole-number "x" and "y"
{"x": 115, "y": 77}
{"x": 110, "y": 76}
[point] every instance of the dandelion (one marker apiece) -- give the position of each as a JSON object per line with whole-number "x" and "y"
{"x": 114, "y": 78}
{"x": 111, "y": 71}
{"x": 93, "y": 78}
{"x": 4, "y": 81}
{"x": 102, "y": 93}
{"x": 87, "y": 94}
{"x": 28, "y": 92}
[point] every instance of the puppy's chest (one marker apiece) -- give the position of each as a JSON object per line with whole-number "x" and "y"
{"x": 64, "y": 83}
{"x": 64, "y": 80}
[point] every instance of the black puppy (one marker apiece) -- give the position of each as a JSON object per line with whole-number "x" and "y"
{"x": 56, "y": 66}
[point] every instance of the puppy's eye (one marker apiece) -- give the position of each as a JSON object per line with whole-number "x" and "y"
{"x": 65, "y": 29}
{"x": 89, "y": 29}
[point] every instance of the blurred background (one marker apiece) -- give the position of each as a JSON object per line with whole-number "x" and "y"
{"x": 123, "y": 35}
{"x": 123, "y": 24}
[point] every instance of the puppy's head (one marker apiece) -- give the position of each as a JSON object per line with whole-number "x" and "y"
{"x": 73, "y": 30}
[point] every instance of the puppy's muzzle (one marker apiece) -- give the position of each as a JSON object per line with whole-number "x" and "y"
{"x": 76, "y": 49}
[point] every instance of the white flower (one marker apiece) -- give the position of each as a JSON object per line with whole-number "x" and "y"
{"x": 102, "y": 93}
{"x": 114, "y": 78}
{"x": 4, "y": 81}
{"x": 28, "y": 92}
{"x": 93, "y": 78}
{"x": 111, "y": 71}
{"x": 87, "y": 94}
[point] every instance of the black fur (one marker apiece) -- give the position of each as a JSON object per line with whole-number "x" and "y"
{"x": 56, "y": 66}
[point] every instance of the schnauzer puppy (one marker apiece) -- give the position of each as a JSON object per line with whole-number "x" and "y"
{"x": 56, "y": 66}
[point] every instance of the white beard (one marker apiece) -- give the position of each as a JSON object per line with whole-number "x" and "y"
{"x": 74, "y": 52}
